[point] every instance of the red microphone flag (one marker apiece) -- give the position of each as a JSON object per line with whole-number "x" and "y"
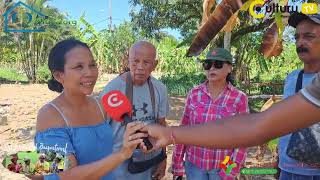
{"x": 116, "y": 104}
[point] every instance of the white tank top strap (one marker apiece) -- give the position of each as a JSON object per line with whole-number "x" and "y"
{"x": 64, "y": 118}
{"x": 101, "y": 109}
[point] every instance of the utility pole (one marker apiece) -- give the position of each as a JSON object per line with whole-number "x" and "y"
{"x": 110, "y": 15}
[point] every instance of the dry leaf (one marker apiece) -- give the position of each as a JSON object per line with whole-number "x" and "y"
{"x": 215, "y": 23}
{"x": 231, "y": 23}
{"x": 207, "y": 6}
{"x": 272, "y": 44}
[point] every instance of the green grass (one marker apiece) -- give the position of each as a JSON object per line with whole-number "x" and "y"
{"x": 11, "y": 75}
{"x": 273, "y": 144}
{"x": 181, "y": 84}
{"x": 256, "y": 104}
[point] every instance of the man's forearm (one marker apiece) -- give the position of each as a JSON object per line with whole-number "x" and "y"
{"x": 217, "y": 135}
{"x": 163, "y": 122}
{"x": 253, "y": 129}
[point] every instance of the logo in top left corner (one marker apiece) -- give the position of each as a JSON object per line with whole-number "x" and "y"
{"x": 21, "y": 17}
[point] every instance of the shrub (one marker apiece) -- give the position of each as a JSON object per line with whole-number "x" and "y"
{"x": 43, "y": 74}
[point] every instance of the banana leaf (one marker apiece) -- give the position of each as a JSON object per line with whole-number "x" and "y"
{"x": 272, "y": 43}
{"x": 207, "y": 6}
{"x": 213, "y": 26}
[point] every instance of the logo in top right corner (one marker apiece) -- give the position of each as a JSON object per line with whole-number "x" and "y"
{"x": 258, "y": 8}
{"x": 309, "y": 8}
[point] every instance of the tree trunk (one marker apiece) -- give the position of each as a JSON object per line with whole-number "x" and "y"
{"x": 32, "y": 58}
{"x": 227, "y": 41}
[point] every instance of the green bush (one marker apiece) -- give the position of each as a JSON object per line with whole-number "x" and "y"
{"x": 43, "y": 74}
{"x": 181, "y": 84}
{"x": 256, "y": 105}
{"x": 11, "y": 75}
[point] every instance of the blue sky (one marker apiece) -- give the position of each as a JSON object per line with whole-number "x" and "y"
{"x": 97, "y": 11}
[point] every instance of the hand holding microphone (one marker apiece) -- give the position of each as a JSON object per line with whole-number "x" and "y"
{"x": 132, "y": 139}
{"x": 119, "y": 108}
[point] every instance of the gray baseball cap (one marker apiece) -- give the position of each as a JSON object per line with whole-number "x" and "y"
{"x": 296, "y": 18}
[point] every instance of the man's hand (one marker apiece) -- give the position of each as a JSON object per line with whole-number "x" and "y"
{"x": 159, "y": 136}
{"x": 131, "y": 139}
{"x": 160, "y": 171}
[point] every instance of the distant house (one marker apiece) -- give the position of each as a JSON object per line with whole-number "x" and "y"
{"x": 13, "y": 15}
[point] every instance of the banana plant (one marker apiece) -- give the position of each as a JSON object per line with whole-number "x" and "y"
{"x": 216, "y": 21}
{"x": 207, "y": 6}
{"x": 88, "y": 30}
{"x": 272, "y": 44}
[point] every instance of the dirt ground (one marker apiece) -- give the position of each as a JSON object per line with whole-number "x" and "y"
{"x": 20, "y": 104}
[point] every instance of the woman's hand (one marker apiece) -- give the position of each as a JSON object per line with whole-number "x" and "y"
{"x": 132, "y": 139}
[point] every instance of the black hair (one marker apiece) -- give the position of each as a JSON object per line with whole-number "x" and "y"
{"x": 229, "y": 77}
{"x": 57, "y": 60}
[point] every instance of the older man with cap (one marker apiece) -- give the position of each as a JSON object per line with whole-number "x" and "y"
{"x": 308, "y": 48}
{"x": 150, "y": 105}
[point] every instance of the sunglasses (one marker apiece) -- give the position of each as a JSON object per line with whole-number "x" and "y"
{"x": 207, "y": 64}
